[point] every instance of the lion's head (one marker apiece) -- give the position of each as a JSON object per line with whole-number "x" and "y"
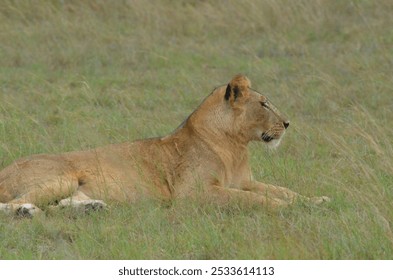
{"x": 238, "y": 112}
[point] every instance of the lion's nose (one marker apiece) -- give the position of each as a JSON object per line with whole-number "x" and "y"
{"x": 286, "y": 124}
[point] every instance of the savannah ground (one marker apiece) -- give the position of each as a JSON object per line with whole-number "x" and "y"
{"x": 79, "y": 74}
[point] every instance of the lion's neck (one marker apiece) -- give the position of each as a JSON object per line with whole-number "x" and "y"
{"x": 216, "y": 140}
{"x": 209, "y": 135}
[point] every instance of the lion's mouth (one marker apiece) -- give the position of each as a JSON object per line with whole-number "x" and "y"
{"x": 266, "y": 137}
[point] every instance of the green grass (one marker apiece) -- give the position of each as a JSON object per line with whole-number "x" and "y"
{"x": 79, "y": 74}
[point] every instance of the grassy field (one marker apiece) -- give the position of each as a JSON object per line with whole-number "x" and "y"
{"x": 79, "y": 74}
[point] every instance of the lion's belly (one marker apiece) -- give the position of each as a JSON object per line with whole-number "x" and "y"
{"x": 114, "y": 175}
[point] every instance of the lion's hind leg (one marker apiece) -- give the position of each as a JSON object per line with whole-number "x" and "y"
{"x": 81, "y": 202}
{"x": 27, "y": 210}
{"x": 40, "y": 193}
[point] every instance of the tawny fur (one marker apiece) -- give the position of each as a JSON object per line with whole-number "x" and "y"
{"x": 206, "y": 154}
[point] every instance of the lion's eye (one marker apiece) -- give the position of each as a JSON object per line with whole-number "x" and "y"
{"x": 264, "y": 104}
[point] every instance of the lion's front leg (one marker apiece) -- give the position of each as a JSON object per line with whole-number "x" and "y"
{"x": 271, "y": 191}
{"x": 281, "y": 193}
{"x": 223, "y": 195}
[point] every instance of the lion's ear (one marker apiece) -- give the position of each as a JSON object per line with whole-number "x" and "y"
{"x": 237, "y": 87}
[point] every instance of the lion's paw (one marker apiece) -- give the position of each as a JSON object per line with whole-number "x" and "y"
{"x": 94, "y": 205}
{"x": 320, "y": 199}
{"x": 27, "y": 210}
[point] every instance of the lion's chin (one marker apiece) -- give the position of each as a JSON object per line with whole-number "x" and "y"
{"x": 273, "y": 144}
{"x": 271, "y": 141}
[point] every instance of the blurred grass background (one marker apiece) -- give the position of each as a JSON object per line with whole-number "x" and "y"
{"x": 79, "y": 74}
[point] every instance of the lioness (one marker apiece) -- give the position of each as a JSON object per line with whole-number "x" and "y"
{"x": 207, "y": 153}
